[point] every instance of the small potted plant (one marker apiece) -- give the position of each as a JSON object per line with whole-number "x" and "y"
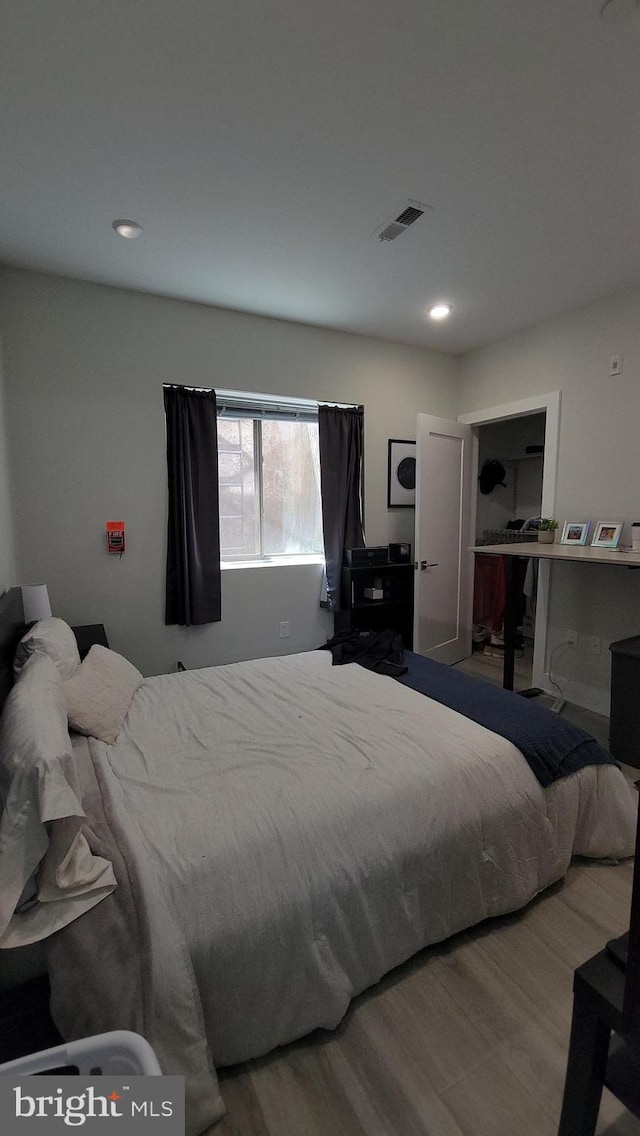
{"x": 547, "y": 530}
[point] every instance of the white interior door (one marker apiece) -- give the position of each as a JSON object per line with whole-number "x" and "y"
{"x": 445, "y": 478}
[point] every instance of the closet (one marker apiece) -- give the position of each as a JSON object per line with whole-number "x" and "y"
{"x": 511, "y": 459}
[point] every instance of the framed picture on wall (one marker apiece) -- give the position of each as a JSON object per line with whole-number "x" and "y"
{"x": 575, "y": 532}
{"x": 401, "y": 484}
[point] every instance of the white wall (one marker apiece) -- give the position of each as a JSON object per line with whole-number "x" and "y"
{"x": 83, "y": 373}
{"x": 599, "y": 464}
{"x": 8, "y": 562}
{"x": 529, "y": 487}
{"x": 84, "y": 369}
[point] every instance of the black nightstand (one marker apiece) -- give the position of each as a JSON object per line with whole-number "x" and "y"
{"x": 87, "y": 635}
{"x": 25, "y": 1022}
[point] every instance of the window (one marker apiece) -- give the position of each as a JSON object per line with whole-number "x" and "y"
{"x": 269, "y": 478}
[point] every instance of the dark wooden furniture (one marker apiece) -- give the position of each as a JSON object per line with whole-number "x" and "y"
{"x": 12, "y": 628}
{"x": 394, "y": 610}
{"x": 624, "y": 716}
{"x": 604, "y": 1047}
{"x": 25, "y": 1022}
{"x": 88, "y": 634}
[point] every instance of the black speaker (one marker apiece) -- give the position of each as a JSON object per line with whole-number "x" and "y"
{"x": 364, "y": 557}
{"x": 400, "y": 553}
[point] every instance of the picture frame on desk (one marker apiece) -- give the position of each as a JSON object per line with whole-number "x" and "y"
{"x": 575, "y": 532}
{"x": 606, "y": 534}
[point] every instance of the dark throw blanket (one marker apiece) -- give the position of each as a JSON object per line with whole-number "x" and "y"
{"x": 379, "y": 651}
{"x": 551, "y": 745}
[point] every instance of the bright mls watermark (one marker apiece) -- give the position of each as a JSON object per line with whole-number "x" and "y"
{"x": 130, "y": 1106}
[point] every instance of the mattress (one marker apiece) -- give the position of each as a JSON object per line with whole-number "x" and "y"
{"x": 292, "y": 832}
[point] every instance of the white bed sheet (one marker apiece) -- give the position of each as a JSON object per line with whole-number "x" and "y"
{"x": 313, "y": 826}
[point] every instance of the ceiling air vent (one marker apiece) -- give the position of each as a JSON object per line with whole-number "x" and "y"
{"x": 409, "y": 215}
{"x": 401, "y": 223}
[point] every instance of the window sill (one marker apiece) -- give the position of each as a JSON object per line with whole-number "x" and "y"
{"x": 275, "y": 562}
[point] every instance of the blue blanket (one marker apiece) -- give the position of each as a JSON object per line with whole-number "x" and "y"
{"x": 551, "y": 745}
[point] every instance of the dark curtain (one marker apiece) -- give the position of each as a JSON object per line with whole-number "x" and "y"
{"x": 341, "y": 438}
{"x": 193, "y": 539}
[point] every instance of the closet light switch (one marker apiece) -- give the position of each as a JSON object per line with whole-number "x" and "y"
{"x": 616, "y": 365}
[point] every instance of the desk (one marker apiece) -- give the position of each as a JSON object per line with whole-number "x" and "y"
{"x": 583, "y": 554}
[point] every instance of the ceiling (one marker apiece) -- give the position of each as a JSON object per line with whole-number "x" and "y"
{"x": 261, "y": 144}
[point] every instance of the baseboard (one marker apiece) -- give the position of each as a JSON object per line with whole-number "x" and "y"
{"x": 579, "y": 694}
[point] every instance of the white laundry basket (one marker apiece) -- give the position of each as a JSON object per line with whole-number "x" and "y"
{"x": 117, "y": 1053}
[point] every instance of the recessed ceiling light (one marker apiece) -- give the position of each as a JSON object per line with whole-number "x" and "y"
{"x": 128, "y": 229}
{"x": 439, "y": 311}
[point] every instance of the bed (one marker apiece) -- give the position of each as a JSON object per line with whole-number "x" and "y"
{"x": 283, "y": 832}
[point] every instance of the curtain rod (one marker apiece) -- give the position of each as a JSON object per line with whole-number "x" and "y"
{"x": 276, "y": 402}
{"x": 184, "y": 387}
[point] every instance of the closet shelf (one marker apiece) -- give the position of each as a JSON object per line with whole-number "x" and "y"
{"x": 506, "y": 536}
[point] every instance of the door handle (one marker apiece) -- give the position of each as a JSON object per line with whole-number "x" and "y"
{"x": 424, "y": 565}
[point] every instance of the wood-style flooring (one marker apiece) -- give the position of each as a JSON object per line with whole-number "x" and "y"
{"x": 489, "y": 669}
{"x": 479, "y": 665}
{"x": 469, "y": 1038}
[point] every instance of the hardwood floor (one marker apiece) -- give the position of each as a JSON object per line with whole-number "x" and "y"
{"x": 479, "y": 665}
{"x": 484, "y": 667}
{"x": 469, "y": 1038}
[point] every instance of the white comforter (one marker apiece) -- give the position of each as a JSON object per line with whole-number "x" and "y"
{"x": 313, "y": 826}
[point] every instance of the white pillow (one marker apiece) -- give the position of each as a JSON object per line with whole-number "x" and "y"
{"x": 52, "y": 637}
{"x": 42, "y": 843}
{"x": 33, "y": 726}
{"x": 35, "y": 748}
{"x": 99, "y": 693}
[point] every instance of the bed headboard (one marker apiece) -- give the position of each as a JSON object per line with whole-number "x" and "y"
{"x": 12, "y": 628}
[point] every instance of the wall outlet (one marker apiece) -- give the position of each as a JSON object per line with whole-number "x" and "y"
{"x": 284, "y": 629}
{"x": 595, "y": 644}
{"x": 615, "y": 367}
{"x": 572, "y": 638}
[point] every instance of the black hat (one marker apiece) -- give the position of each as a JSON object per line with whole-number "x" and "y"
{"x": 491, "y": 474}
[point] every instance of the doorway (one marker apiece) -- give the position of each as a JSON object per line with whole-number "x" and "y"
{"x": 508, "y": 508}
{"x": 545, "y": 409}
